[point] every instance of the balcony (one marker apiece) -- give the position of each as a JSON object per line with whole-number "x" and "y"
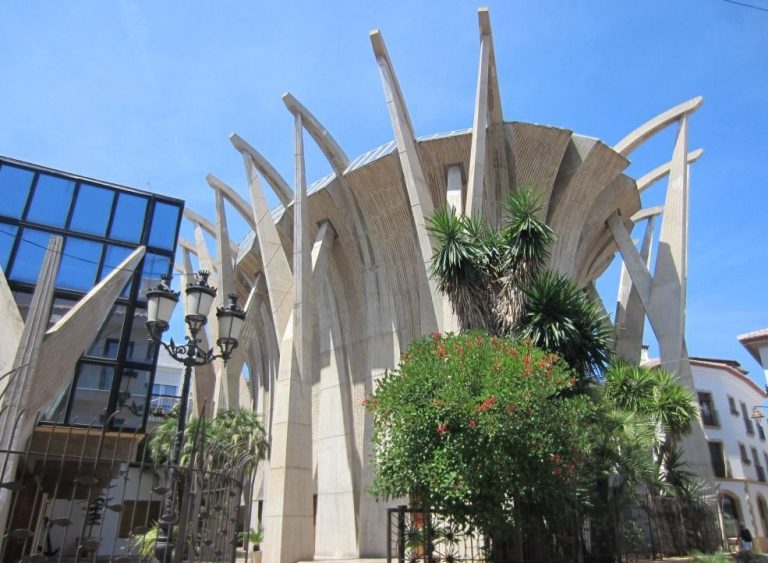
{"x": 160, "y": 408}
{"x": 710, "y": 418}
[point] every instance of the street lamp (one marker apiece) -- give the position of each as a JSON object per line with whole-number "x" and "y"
{"x": 198, "y": 299}
{"x": 756, "y": 412}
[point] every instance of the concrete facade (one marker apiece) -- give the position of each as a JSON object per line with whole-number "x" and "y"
{"x": 373, "y": 296}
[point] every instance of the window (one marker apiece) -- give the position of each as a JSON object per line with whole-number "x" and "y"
{"x": 113, "y": 257}
{"x": 89, "y": 403}
{"x": 747, "y": 421}
{"x": 164, "y": 399}
{"x": 763, "y": 513}
{"x": 29, "y": 256}
{"x": 732, "y": 405}
{"x": 108, "y": 339}
{"x": 50, "y": 201}
{"x": 165, "y": 219}
{"x": 59, "y": 308}
{"x": 758, "y": 468}
{"x": 744, "y": 456}
{"x": 760, "y": 431}
{"x": 7, "y": 236}
{"x": 128, "y": 222}
{"x": 731, "y": 515}
{"x": 14, "y": 189}
{"x": 154, "y": 267}
{"x": 79, "y": 264}
{"x": 707, "y": 410}
{"x": 131, "y": 398}
{"x": 718, "y": 461}
{"x": 92, "y": 210}
{"x": 144, "y": 350}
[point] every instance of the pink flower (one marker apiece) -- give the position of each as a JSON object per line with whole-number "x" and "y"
{"x": 365, "y": 402}
{"x": 442, "y": 428}
{"x": 472, "y": 423}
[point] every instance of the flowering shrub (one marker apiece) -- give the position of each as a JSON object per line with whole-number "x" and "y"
{"x": 480, "y": 427}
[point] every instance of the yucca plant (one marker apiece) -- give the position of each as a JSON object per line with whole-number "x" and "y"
{"x": 560, "y": 317}
{"x": 459, "y": 265}
{"x": 495, "y": 280}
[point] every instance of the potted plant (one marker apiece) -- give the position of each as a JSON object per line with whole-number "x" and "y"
{"x": 254, "y": 538}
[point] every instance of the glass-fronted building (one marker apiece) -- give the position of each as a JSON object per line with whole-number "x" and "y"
{"x": 102, "y": 224}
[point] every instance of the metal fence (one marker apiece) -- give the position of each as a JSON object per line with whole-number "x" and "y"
{"x": 85, "y": 494}
{"x": 647, "y": 528}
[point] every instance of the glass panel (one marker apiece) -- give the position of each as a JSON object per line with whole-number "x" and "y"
{"x": 50, "y": 202}
{"x": 59, "y": 308}
{"x": 128, "y": 222}
{"x": 29, "y": 256}
{"x": 94, "y": 383}
{"x": 92, "y": 209}
{"x": 108, "y": 339}
{"x": 113, "y": 257}
{"x": 140, "y": 349}
{"x": 164, "y": 221}
{"x": 23, "y": 301}
{"x": 132, "y": 398}
{"x": 154, "y": 267}
{"x": 14, "y": 189}
{"x": 7, "y": 237}
{"x": 79, "y": 264}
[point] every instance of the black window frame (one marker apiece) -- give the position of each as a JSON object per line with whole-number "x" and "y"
{"x": 131, "y": 300}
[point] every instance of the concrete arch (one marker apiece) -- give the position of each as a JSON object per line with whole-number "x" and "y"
{"x": 658, "y": 123}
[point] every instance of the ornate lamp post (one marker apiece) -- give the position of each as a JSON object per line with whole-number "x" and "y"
{"x": 198, "y": 300}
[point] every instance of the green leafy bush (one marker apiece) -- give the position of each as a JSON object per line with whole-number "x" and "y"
{"x": 481, "y": 428}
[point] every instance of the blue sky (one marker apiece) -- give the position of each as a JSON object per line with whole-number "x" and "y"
{"x": 146, "y": 94}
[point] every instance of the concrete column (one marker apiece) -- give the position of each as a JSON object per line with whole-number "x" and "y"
{"x": 289, "y": 510}
{"x": 630, "y": 315}
{"x": 667, "y": 305}
{"x": 13, "y": 327}
{"x": 16, "y": 423}
{"x": 228, "y": 375}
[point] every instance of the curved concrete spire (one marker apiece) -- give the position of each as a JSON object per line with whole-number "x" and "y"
{"x": 237, "y": 201}
{"x": 337, "y": 158}
{"x": 653, "y": 126}
{"x": 419, "y": 195}
{"x": 272, "y": 176}
{"x": 647, "y": 213}
{"x": 647, "y": 180}
{"x": 277, "y": 271}
{"x": 331, "y": 149}
{"x": 206, "y": 225}
{"x": 487, "y": 114}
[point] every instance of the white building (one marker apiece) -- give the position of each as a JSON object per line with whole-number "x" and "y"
{"x": 737, "y": 443}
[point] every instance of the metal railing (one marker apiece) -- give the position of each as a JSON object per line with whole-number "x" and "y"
{"x": 95, "y": 495}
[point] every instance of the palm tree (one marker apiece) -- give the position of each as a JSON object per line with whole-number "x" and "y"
{"x": 658, "y": 395}
{"x": 232, "y": 433}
